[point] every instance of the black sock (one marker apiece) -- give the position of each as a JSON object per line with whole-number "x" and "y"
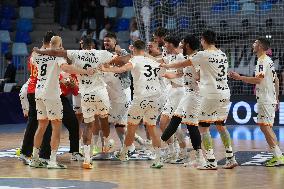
{"x": 195, "y": 136}
{"x": 172, "y": 128}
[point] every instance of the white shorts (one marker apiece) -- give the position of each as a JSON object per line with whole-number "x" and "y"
{"x": 266, "y": 114}
{"x": 118, "y": 112}
{"x": 188, "y": 108}
{"x": 173, "y": 101}
{"x": 95, "y": 103}
{"x": 212, "y": 110}
{"x": 76, "y": 101}
{"x": 146, "y": 108}
{"x": 50, "y": 109}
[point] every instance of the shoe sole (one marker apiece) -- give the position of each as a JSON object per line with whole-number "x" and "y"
{"x": 214, "y": 168}
{"x": 157, "y": 167}
{"x": 56, "y": 167}
{"x": 231, "y": 167}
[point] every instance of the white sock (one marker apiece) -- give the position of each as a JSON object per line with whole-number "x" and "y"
{"x": 87, "y": 149}
{"x": 276, "y": 151}
{"x": 131, "y": 148}
{"x": 229, "y": 152}
{"x": 53, "y": 156}
{"x": 96, "y": 139}
{"x": 210, "y": 155}
{"x": 158, "y": 152}
{"x": 172, "y": 148}
{"x": 35, "y": 153}
{"x": 183, "y": 151}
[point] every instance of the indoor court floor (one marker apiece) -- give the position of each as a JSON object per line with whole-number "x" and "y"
{"x": 248, "y": 143}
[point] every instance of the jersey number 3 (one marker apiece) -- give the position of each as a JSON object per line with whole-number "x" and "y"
{"x": 150, "y": 71}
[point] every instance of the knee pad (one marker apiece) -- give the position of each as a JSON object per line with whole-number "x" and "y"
{"x": 220, "y": 123}
{"x": 180, "y": 136}
{"x": 204, "y": 124}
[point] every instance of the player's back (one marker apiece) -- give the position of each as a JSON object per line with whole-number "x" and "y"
{"x": 213, "y": 73}
{"x": 89, "y": 59}
{"x": 48, "y": 76}
{"x": 146, "y": 76}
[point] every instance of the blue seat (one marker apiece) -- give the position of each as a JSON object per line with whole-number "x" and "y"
{"x": 24, "y": 24}
{"x": 184, "y": 22}
{"x": 23, "y": 37}
{"x": 176, "y": 2}
{"x": 171, "y": 23}
{"x": 265, "y": 6}
{"x": 234, "y": 7}
{"x": 125, "y": 3}
{"x": 26, "y": 12}
{"x": 28, "y": 3}
{"x": 110, "y": 12}
{"x": 5, "y": 24}
{"x": 19, "y": 49}
{"x": 218, "y": 8}
{"x": 4, "y": 47}
{"x": 122, "y": 24}
{"x": 5, "y": 36}
{"x": 248, "y": 7}
{"x": 128, "y": 12}
{"x": 8, "y": 12}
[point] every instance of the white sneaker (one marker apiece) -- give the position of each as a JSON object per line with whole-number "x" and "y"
{"x": 157, "y": 164}
{"x": 199, "y": 159}
{"x": 170, "y": 157}
{"x": 181, "y": 159}
{"x": 76, "y": 156}
{"x": 55, "y": 165}
{"x": 36, "y": 163}
{"x": 208, "y": 166}
{"x": 26, "y": 160}
{"x": 230, "y": 163}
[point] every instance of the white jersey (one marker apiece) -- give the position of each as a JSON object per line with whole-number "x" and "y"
{"x": 190, "y": 76}
{"x": 213, "y": 73}
{"x": 116, "y": 90}
{"x": 48, "y": 67}
{"x": 146, "y": 76}
{"x": 171, "y": 59}
{"x": 265, "y": 91}
{"x": 93, "y": 59}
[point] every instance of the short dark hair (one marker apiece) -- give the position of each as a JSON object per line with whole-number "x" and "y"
{"x": 87, "y": 42}
{"x": 264, "y": 42}
{"x": 192, "y": 41}
{"x": 9, "y": 56}
{"x": 139, "y": 45}
{"x": 209, "y": 36}
{"x": 173, "y": 40}
{"x": 161, "y": 32}
{"x": 111, "y": 35}
{"x": 47, "y": 37}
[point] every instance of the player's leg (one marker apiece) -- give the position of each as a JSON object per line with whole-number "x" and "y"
{"x": 38, "y": 137}
{"x": 97, "y": 135}
{"x": 71, "y": 123}
{"x": 55, "y": 114}
{"x": 265, "y": 119}
{"x": 222, "y": 113}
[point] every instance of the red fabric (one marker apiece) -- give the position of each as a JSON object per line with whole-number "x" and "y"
{"x": 33, "y": 76}
{"x": 67, "y": 89}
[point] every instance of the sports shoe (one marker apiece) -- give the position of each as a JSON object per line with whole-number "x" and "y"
{"x": 230, "y": 163}
{"x": 26, "y": 160}
{"x": 181, "y": 159}
{"x": 275, "y": 161}
{"x": 108, "y": 146}
{"x": 170, "y": 157}
{"x": 36, "y": 163}
{"x": 76, "y": 156}
{"x": 157, "y": 164}
{"x": 208, "y": 166}
{"x": 55, "y": 165}
{"x": 87, "y": 165}
{"x": 199, "y": 160}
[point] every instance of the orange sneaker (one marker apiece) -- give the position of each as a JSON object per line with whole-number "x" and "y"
{"x": 87, "y": 165}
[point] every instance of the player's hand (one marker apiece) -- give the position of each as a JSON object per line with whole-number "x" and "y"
{"x": 234, "y": 75}
{"x": 36, "y": 49}
{"x": 117, "y": 49}
{"x": 163, "y": 65}
{"x": 169, "y": 75}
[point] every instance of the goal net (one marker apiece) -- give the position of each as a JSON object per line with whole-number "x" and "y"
{"x": 237, "y": 24}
